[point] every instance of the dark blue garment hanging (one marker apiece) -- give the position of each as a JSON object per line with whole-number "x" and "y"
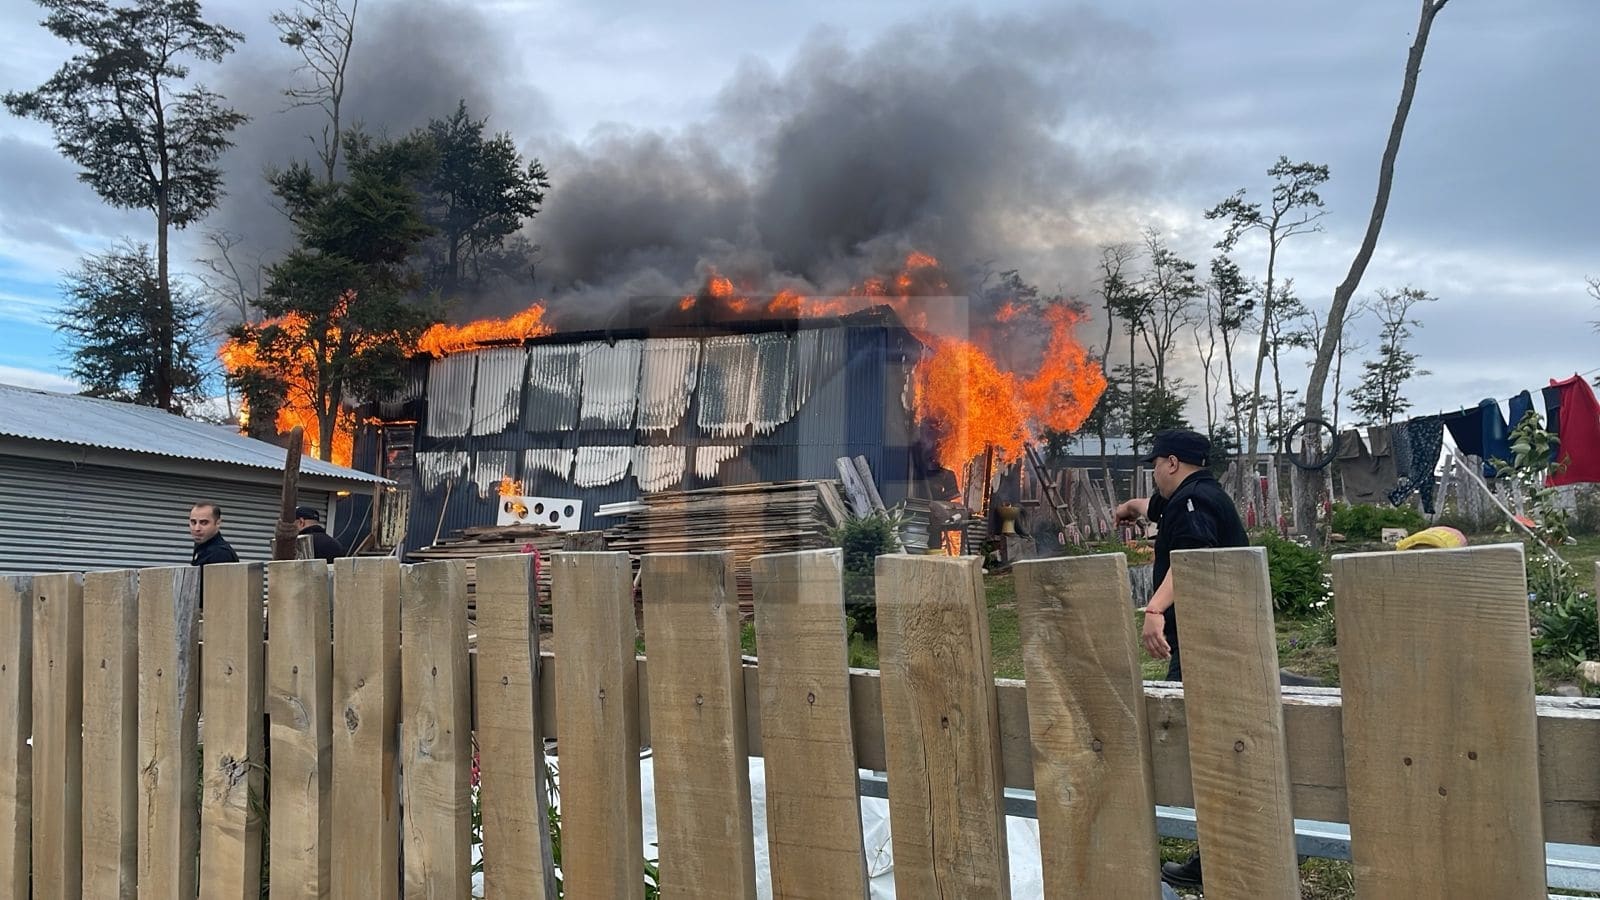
{"x": 1496, "y": 437}
{"x": 1521, "y": 405}
{"x": 1552, "y": 420}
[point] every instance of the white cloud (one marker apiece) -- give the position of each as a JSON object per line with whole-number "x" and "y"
{"x": 39, "y": 380}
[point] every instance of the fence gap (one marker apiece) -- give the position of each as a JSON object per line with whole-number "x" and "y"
{"x": 597, "y": 719}
{"x": 813, "y": 790}
{"x": 111, "y": 733}
{"x": 511, "y": 765}
{"x": 436, "y": 730}
{"x": 698, "y": 726}
{"x": 1440, "y": 744}
{"x": 1086, "y": 716}
{"x": 232, "y": 682}
{"x": 941, "y": 729}
{"x": 366, "y": 728}
{"x": 169, "y": 709}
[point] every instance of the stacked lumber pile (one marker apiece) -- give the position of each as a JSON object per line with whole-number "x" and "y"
{"x": 748, "y": 519}
{"x": 495, "y": 540}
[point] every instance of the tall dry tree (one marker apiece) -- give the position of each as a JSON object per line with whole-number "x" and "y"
{"x": 322, "y": 32}
{"x": 1305, "y": 513}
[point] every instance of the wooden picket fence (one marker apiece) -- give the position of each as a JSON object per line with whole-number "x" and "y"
{"x": 1449, "y": 770}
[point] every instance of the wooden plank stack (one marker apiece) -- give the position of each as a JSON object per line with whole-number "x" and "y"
{"x": 748, "y": 519}
{"x": 496, "y": 540}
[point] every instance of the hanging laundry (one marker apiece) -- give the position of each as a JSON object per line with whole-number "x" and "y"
{"x": 1521, "y": 405}
{"x": 1579, "y": 460}
{"x": 1496, "y": 437}
{"x": 1466, "y": 430}
{"x": 1367, "y": 476}
{"x": 1552, "y": 418}
{"x": 1426, "y": 439}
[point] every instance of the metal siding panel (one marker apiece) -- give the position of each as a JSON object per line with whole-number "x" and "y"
{"x": 555, "y": 462}
{"x": 596, "y": 466}
{"x": 554, "y": 389}
{"x": 725, "y": 385}
{"x": 498, "y": 391}
{"x": 659, "y": 468}
{"x": 450, "y": 394}
{"x": 771, "y": 388}
{"x": 667, "y": 378}
{"x": 488, "y": 467}
{"x": 55, "y": 516}
{"x": 610, "y": 384}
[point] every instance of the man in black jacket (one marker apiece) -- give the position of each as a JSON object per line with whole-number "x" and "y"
{"x": 205, "y": 528}
{"x": 324, "y": 546}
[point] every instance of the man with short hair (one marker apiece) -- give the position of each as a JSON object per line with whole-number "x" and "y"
{"x": 205, "y": 528}
{"x": 324, "y": 546}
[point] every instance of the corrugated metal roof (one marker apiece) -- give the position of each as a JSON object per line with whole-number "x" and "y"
{"x": 726, "y": 370}
{"x": 435, "y": 467}
{"x": 450, "y": 394}
{"x": 89, "y": 422}
{"x": 498, "y": 393}
{"x": 552, "y": 396}
{"x": 488, "y": 467}
{"x": 610, "y": 384}
{"x": 595, "y": 466}
{"x": 667, "y": 376}
{"x": 657, "y": 468}
{"x": 772, "y": 394}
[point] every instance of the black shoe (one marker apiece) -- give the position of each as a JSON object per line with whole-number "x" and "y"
{"x": 1184, "y": 874}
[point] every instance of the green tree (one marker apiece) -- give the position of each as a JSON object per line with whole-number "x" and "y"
{"x": 341, "y": 305}
{"x": 478, "y": 196}
{"x": 1379, "y": 397}
{"x": 139, "y": 140}
{"x": 112, "y": 318}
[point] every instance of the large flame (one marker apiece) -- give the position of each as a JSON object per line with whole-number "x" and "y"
{"x": 299, "y": 405}
{"x": 442, "y": 340}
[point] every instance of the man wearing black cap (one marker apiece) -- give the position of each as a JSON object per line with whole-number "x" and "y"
{"x": 1193, "y": 513}
{"x": 323, "y": 545}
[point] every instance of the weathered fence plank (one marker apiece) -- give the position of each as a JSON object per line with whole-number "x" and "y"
{"x": 366, "y": 732}
{"x": 111, "y": 733}
{"x": 511, "y": 763}
{"x": 16, "y": 729}
{"x": 58, "y": 735}
{"x": 1440, "y": 737}
{"x": 598, "y": 716}
{"x": 813, "y": 790}
{"x": 1091, "y": 768}
{"x": 436, "y": 738}
{"x": 232, "y": 678}
{"x": 698, "y": 726}
{"x": 1237, "y": 750}
{"x": 941, "y": 729}
{"x": 169, "y": 709}
{"x": 299, "y": 705}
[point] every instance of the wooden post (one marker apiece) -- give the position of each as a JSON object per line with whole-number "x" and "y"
{"x": 299, "y": 710}
{"x": 283, "y": 535}
{"x": 169, "y": 710}
{"x": 1235, "y": 716}
{"x": 598, "y": 720}
{"x": 366, "y": 733}
{"x": 232, "y": 683}
{"x": 16, "y": 730}
{"x": 813, "y": 798}
{"x": 698, "y": 727}
{"x": 111, "y": 733}
{"x": 1440, "y": 740}
{"x": 436, "y": 725}
{"x": 511, "y": 765}
{"x": 941, "y": 729}
{"x": 1086, "y": 716}
{"x": 58, "y": 735}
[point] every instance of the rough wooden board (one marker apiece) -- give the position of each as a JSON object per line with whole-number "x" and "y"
{"x": 1440, "y": 731}
{"x": 698, "y": 726}
{"x": 511, "y": 763}
{"x": 860, "y": 500}
{"x": 232, "y": 688}
{"x": 602, "y": 820}
{"x": 1091, "y": 765}
{"x": 299, "y": 710}
{"x": 169, "y": 709}
{"x": 813, "y": 799}
{"x": 435, "y": 741}
{"x": 864, "y": 469}
{"x": 941, "y": 729}
{"x": 1237, "y": 749}
{"x": 58, "y": 735}
{"x": 366, "y": 731}
{"x": 16, "y": 729}
{"x": 111, "y": 733}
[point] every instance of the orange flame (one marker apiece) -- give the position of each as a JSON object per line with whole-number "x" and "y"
{"x": 299, "y": 403}
{"x": 442, "y": 340}
{"x": 510, "y": 487}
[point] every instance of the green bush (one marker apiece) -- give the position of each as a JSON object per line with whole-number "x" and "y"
{"x": 863, "y": 540}
{"x": 1586, "y": 514}
{"x": 1295, "y": 572}
{"x": 1366, "y": 523}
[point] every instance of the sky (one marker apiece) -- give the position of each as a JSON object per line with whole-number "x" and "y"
{"x": 803, "y": 139}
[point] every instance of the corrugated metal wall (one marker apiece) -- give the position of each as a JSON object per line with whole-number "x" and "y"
{"x": 56, "y": 517}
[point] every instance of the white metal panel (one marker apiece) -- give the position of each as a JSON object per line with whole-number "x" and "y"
{"x": 450, "y": 394}
{"x": 556, "y": 461}
{"x": 489, "y": 467}
{"x": 708, "y": 459}
{"x": 610, "y": 384}
{"x": 596, "y": 466}
{"x": 498, "y": 392}
{"x": 667, "y": 377}
{"x": 658, "y": 468}
{"x": 435, "y": 467}
{"x": 726, "y": 370}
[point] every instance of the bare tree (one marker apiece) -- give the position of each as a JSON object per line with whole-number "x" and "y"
{"x": 1306, "y": 509}
{"x": 1230, "y": 292}
{"x": 1205, "y": 346}
{"x": 1170, "y": 290}
{"x": 233, "y": 289}
{"x": 1594, "y": 291}
{"x": 322, "y": 32}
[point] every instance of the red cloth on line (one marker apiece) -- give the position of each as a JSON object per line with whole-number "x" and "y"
{"x": 1579, "y": 433}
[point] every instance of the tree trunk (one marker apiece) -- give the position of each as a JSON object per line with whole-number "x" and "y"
{"x": 1341, "y": 295}
{"x": 1253, "y": 454}
{"x": 165, "y": 340}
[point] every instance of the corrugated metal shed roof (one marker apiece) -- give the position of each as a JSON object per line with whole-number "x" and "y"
{"x": 89, "y": 422}
{"x": 610, "y": 384}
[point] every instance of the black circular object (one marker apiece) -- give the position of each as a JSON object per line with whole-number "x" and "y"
{"x": 1321, "y": 462}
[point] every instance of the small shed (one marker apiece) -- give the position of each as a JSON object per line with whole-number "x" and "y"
{"x": 97, "y": 484}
